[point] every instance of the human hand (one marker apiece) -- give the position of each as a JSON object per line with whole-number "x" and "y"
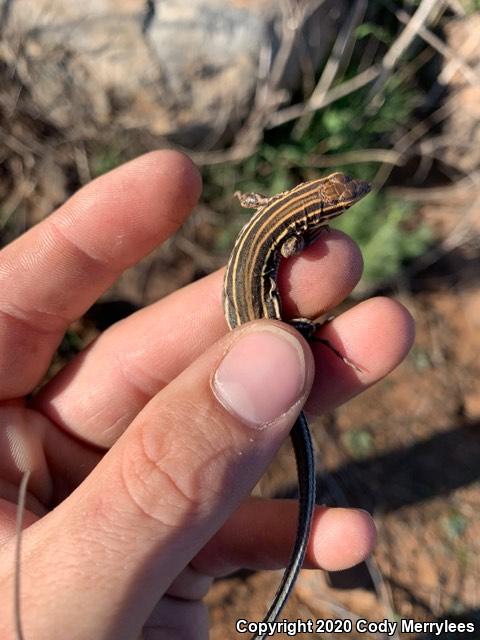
{"x": 144, "y": 449}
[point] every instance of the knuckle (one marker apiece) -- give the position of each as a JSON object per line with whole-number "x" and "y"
{"x": 173, "y": 474}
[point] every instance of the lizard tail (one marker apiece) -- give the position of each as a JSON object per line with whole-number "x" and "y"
{"x": 303, "y": 448}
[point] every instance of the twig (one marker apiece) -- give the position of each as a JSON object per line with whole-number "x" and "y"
{"x": 341, "y": 50}
{"x": 406, "y": 141}
{"x": 22, "y": 495}
{"x": 201, "y": 257}
{"x": 382, "y": 590}
{"x": 432, "y": 146}
{"x": 389, "y": 156}
{"x": 340, "y": 610}
{"x": 439, "y": 194}
{"x": 471, "y": 75}
{"x": 458, "y": 236}
{"x": 268, "y": 96}
{"x": 18, "y": 146}
{"x": 19, "y": 194}
{"x": 340, "y": 91}
{"x": 81, "y": 161}
{"x": 456, "y": 8}
{"x": 404, "y": 40}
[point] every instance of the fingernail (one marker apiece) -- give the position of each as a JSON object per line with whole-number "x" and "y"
{"x": 262, "y": 376}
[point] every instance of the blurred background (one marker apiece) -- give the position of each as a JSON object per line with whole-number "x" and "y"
{"x": 263, "y": 95}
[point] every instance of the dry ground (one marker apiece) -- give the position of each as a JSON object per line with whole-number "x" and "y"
{"x": 408, "y": 450}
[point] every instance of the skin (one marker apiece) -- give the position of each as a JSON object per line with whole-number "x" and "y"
{"x": 138, "y": 496}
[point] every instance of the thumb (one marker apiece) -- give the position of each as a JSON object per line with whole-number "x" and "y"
{"x": 167, "y": 485}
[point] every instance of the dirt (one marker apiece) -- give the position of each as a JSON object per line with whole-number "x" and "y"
{"x": 408, "y": 450}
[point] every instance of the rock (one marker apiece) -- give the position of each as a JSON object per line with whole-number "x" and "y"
{"x": 461, "y": 136}
{"x": 186, "y": 70}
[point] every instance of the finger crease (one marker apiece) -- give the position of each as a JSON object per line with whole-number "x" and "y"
{"x": 151, "y": 384}
{"x": 75, "y": 247}
{"x": 39, "y": 322}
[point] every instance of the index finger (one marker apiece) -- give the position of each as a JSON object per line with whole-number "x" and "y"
{"x": 54, "y": 272}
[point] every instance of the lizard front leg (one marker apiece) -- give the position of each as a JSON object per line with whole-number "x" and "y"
{"x": 256, "y": 200}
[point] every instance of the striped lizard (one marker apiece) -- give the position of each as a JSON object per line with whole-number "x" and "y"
{"x": 282, "y": 226}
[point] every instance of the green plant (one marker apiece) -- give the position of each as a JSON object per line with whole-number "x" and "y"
{"x": 104, "y": 160}
{"x": 383, "y": 226}
{"x": 455, "y": 525}
{"x": 359, "y": 443}
{"x": 378, "y": 224}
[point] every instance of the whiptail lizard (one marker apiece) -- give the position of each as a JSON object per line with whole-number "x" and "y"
{"x": 281, "y": 227}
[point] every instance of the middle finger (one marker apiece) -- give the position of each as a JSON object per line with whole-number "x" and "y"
{"x": 101, "y": 391}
